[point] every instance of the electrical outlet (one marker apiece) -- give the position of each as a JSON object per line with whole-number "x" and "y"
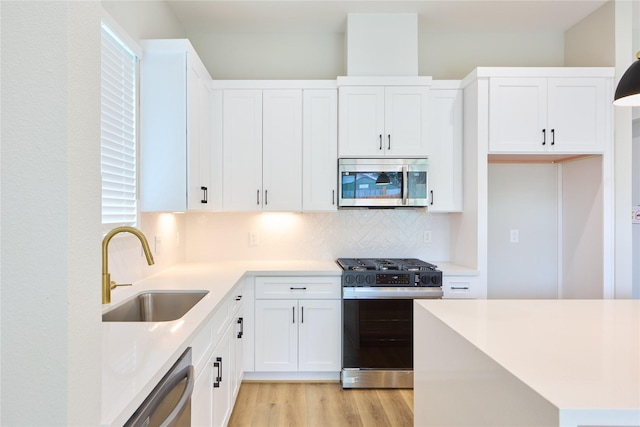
{"x": 514, "y": 236}
{"x": 253, "y": 238}
{"x": 426, "y": 236}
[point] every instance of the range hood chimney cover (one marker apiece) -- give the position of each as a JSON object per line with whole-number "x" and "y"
{"x": 382, "y": 44}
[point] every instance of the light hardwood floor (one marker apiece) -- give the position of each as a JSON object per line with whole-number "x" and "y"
{"x": 263, "y": 404}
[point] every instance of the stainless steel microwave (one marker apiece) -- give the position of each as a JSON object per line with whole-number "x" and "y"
{"x": 383, "y": 183}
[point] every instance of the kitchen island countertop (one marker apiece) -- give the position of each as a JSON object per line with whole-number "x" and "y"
{"x": 527, "y": 362}
{"x": 136, "y": 355}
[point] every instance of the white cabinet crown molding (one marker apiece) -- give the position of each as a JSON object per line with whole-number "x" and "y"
{"x": 273, "y": 84}
{"x": 384, "y": 81}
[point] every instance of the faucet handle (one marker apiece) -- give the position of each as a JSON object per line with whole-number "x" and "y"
{"x": 114, "y": 284}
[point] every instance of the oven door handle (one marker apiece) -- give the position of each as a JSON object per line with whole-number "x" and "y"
{"x": 365, "y": 292}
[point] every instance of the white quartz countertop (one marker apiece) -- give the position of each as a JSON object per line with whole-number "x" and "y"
{"x": 137, "y": 355}
{"x": 580, "y": 355}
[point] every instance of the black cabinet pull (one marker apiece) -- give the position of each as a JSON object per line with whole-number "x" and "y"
{"x": 302, "y": 314}
{"x": 431, "y": 197}
{"x": 333, "y": 197}
{"x": 241, "y": 323}
{"x": 218, "y": 364}
{"x": 389, "y": 143}
{"x": 257, "y": 197}
{"x": 298, "y": 289}
{"x": 293, "y": 313}
{"x": 380, "y": 148}
{"x": 205, "y": 195}
{"x": 544, "y": 137}
{"x": 266, "y": 200}
{"x": 553, "y": 137}
{"x": 239, "y": 297}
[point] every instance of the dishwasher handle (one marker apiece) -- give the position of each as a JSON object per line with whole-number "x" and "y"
{"x": 184, "y": 400}
{"x": 142, "y": 419}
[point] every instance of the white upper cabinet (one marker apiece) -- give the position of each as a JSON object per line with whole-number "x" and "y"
{"x": 282, "y": 150}
{"x": 242, "y": 150}
{"x": 445, "y": 150}
{"x": 175, "y": 128}
{"x": 320, "y": 150}
{"x": 262, "y": 150}
{"x": 377, "y": 121}
{"x": 554, "y": 114}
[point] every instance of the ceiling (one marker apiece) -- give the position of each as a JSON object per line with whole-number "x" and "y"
{"x": 325, "y": 16}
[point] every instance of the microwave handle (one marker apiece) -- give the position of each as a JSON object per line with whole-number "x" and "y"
{"x": 405, "y": 177}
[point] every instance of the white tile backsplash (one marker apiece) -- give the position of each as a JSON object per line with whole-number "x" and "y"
{"x": 323, "y": 236}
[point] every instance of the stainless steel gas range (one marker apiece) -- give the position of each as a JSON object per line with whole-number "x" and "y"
{"x": 377, "y": 336}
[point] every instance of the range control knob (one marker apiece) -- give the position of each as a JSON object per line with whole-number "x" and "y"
{"x": 359, "y": 280}
{"x": 348, "y": 280}
{"x": 371, "y": 280}
{"x": 424, "y": 279}
{"x": 435, "y": 280}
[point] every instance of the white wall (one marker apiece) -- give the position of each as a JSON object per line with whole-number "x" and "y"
{"x": 321, "y": 56}
{"x": 326, "y": 236}
{"x": 454, "y": 55}
{"x": 523, "y": 197}
{"x": 50, "y": 174}
{"x": 591, "y": 42}
{"x": 582, "y": 232}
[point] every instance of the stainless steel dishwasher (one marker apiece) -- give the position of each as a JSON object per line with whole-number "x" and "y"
{"x": 169, "y": 404}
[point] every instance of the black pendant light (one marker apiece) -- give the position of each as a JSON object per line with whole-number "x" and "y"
{"x": 383, "y": 179}
{"x": 628, "y": 90}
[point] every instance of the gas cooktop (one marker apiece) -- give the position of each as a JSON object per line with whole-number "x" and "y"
{"x": 385, "y": 264}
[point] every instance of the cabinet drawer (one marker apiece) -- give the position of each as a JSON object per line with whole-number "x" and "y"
{"x": 298, "y": 287}
{"x": 460, "y": 287}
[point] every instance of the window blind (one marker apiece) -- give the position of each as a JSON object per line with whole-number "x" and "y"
{"x": 118, "y": 131}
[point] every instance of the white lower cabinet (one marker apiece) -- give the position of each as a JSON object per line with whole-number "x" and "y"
{"x": 218, "y": 379}
{"x": 297, "y": 324}
{"x": 461, "y": 287}
{"x": 297, "y": 335}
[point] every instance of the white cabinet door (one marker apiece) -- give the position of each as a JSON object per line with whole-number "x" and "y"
{"x": 543, "y": 115}
{"x": 202, "y": 397}
{"x": 445, "y": 150}
{"x": 320, "y": 150}
{"x": 276, "y": 335}
{"x": 319, "y": 335}
{"x": 381, "y": 121}
{"x": 242, "y": 153}
{"x": 518, "y": 115}
{"x": 577, "y": 114}
{"x": 405, "y": 118}
{"x": 175, "y": 137}
{"x": 237, "y": 355}
{"x": 199, "y": 140}
{"x": 361, "y": 118}
{"x": 282, "y": 150}
{"x": 221, "y": 381}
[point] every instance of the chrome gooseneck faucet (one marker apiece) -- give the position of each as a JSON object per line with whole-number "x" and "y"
{"x": 107, "y": 284}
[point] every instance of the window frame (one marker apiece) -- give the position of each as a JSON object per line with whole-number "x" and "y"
{"x": 136, "y": 51}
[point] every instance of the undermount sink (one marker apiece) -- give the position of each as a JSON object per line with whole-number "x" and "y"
{"x": 155, "y": 306}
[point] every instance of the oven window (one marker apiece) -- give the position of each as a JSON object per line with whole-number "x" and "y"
{"x": 362, "y": 185}
{"x": 378, "y": 334}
